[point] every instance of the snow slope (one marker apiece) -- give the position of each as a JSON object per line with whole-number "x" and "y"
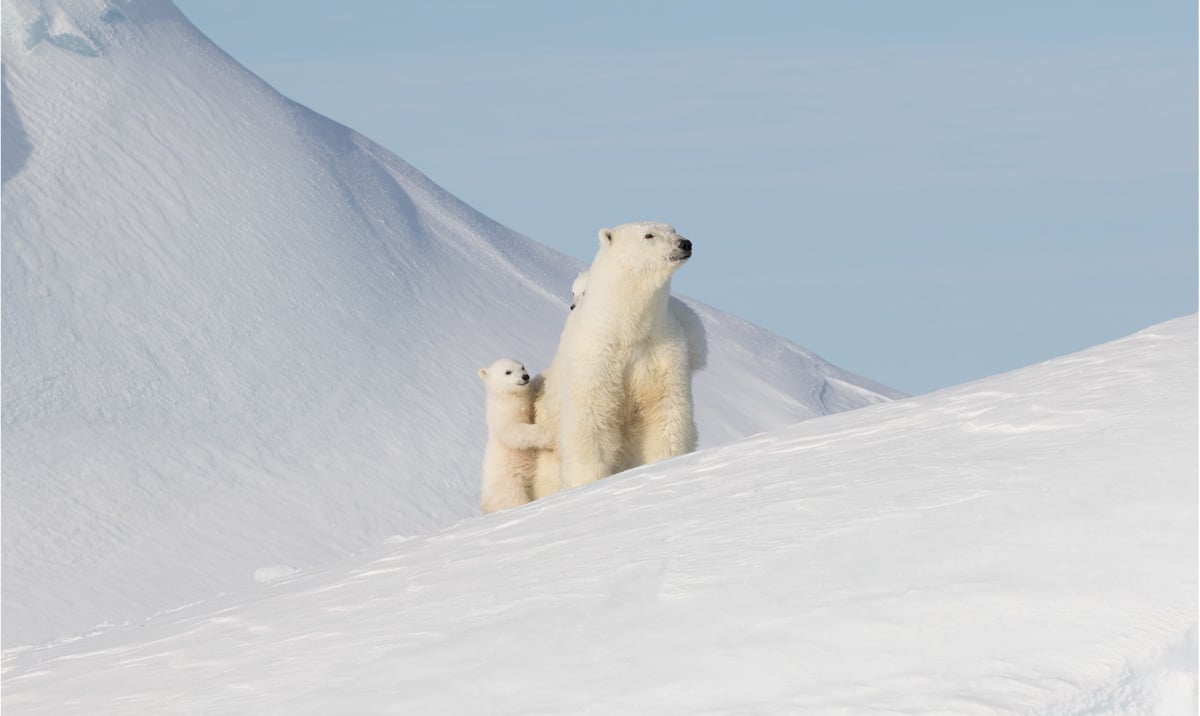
{"x": 240, "y": 339}
{"x": 1022, "y": 544}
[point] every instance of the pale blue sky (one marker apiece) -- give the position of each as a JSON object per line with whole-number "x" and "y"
{"x": 923, "y": 192}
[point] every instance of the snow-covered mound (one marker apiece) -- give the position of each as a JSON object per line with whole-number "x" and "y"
{"x": 1022, "y": 544}
{"x": 238, "y": 336}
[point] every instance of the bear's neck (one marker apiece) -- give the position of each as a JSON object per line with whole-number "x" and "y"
{"x": 629, "y": 305}
{"x": 613, "y": 292}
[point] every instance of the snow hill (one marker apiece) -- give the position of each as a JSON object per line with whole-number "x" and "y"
{"x": 1022, "y": 544}
{"x": 241, "y": 339}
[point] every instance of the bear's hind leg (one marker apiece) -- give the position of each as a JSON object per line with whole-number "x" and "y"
{"x": 502, "y": 491}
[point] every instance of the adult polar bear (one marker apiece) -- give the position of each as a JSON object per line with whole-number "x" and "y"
{"x": 619, "y": 390}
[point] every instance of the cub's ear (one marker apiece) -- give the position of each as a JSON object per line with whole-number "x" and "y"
{"x": 605, "y": 237}
{"x": 483, "y": 373}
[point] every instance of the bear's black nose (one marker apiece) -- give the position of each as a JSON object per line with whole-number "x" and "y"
{"x": 525, "y": 376}
{"x": 685, "y": 245}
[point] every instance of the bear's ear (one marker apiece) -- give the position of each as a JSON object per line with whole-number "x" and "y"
{"x": 483, "y": 373}
{"x": 605, "y": 237}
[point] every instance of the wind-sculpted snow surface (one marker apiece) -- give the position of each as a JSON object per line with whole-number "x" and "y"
{"x": 237, "y": 334}
{"x": 1023, "y": 544}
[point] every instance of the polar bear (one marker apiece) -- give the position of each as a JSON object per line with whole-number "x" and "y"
{"x": 618, "y": 392}
{"x": 510, "y": 458}
{"x": 578, "y": 288}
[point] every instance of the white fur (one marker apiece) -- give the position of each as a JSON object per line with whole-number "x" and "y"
{"x": 510, "y": 458}
{"x": 697, "y": 336}
{"x": 578, "y": 287}
{"x": 619, "y": 389}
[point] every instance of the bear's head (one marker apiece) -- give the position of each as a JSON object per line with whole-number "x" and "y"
{"x": 646, "y": 247}
{"x": 506, "y": 376}
{"x": 578, "y": 288}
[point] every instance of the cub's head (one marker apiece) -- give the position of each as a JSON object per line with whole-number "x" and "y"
{"x": 506, "y": 376}
{"x": 646, "y": 247}
{"x": 578, "y": 288}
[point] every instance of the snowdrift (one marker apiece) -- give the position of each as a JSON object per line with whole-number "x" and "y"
{"x": 1022, "y": 544}
{"x": 240, "y": 338}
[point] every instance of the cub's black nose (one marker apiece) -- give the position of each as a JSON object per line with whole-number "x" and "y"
{"x": 525, "y": 376}
{"x": 685, "y": 244}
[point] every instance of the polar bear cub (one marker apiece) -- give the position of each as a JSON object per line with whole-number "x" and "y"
{"x": 510, "y": 458}
{"x": 578, "y": 288}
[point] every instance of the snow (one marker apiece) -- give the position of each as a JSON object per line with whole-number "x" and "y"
{"x": 262, "y": 575}
{"x": 242, "y": 430}
{"x": 237, "y": 334}
{"x": 1022, "y": 544}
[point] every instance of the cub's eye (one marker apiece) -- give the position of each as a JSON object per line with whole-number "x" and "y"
{"x": 648, "y": 236}
{"x": 508, "y": 372}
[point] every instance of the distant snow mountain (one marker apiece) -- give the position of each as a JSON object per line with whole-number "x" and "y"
{"x": 1024, "y": 544}
{"x": 239, "y": 337}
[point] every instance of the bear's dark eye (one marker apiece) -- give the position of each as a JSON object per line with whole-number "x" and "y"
{"x": 649, "y": 236}
{"x": 508, "y": 372}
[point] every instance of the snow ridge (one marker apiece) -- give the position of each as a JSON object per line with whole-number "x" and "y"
{"x": 1024, "y": 544}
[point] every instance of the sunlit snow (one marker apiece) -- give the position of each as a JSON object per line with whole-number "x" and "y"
{"x": 242, "y": 433}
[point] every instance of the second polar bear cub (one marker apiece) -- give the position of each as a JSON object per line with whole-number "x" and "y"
{"x": 510, "y": 458}
{"x": 578, "y": 288}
